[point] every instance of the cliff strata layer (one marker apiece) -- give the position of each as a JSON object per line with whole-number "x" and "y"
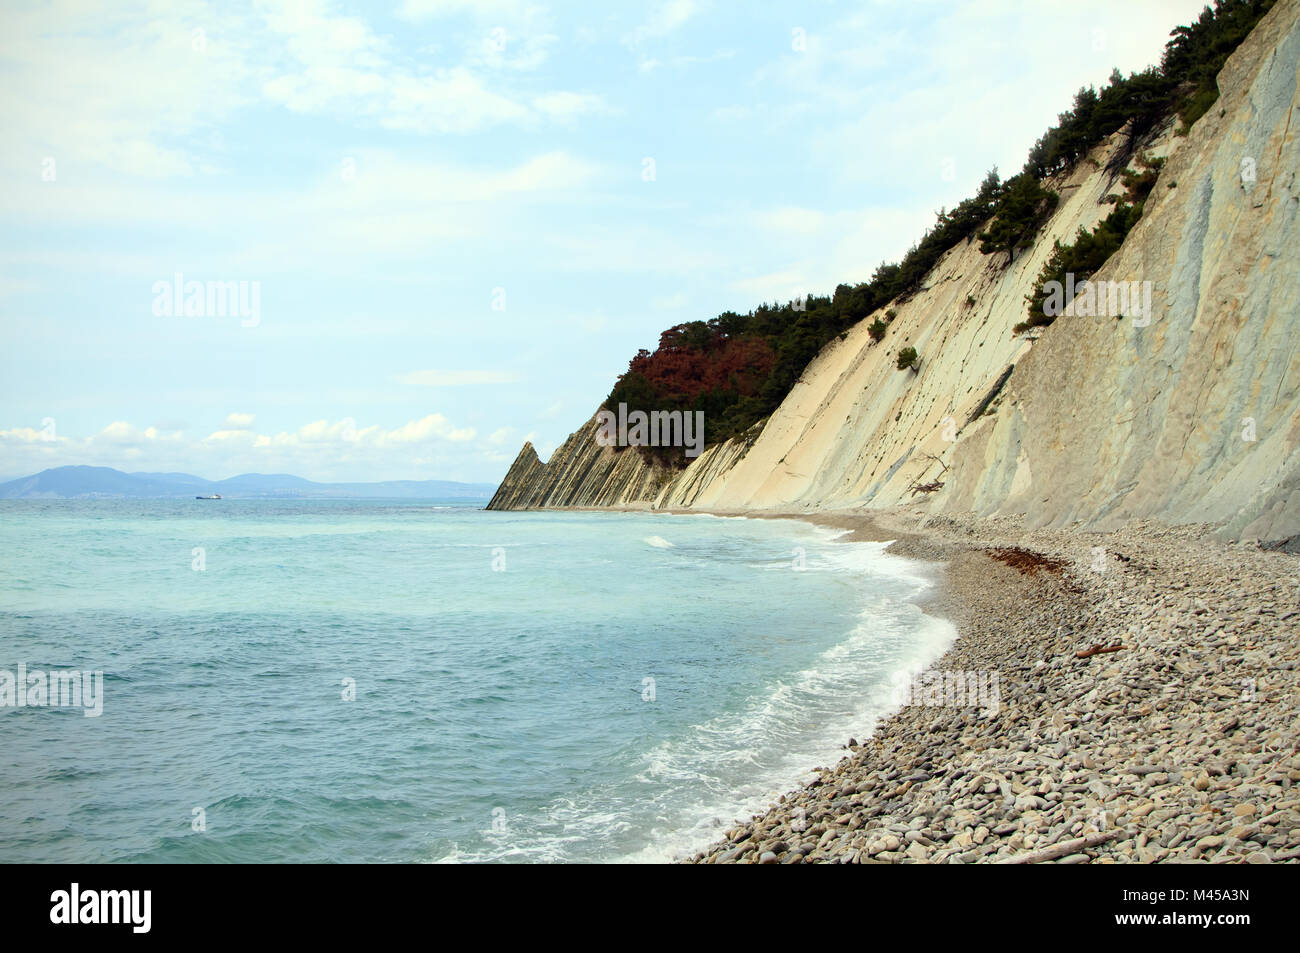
{"x": 1192, "y": 417}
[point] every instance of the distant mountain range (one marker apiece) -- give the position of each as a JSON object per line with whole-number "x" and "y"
{"x": 75, "y": 483}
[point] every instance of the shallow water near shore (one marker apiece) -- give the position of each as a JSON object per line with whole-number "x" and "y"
{"x": 528, "y": 686}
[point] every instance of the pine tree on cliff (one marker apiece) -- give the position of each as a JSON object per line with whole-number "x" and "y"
{"x": 1024, "y": 207}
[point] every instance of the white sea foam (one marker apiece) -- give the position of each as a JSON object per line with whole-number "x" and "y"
{"x": 687, "y": 790}
{"x": 788, "y": 729}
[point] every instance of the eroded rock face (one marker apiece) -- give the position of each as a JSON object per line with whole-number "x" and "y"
{"x": 1098, "y": 420}
{"x": 581, "y": 472}
{"x": 521, "y": 484}
{"x": 1195, "y": 418}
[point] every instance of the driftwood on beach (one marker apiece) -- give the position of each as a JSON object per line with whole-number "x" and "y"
{"x": 1063, "y": 849}
{"x": 1098, "y": 649}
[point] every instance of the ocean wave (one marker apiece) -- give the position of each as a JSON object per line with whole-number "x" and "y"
{"x": 685, "y": 790}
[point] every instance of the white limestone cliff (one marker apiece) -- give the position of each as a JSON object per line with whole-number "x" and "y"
{"x": 1099, "y": 420}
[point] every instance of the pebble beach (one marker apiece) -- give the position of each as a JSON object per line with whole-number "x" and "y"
{"x": 1146, "y": 709}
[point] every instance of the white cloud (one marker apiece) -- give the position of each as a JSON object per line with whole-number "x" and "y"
{"x": 27, "y": 435}
{"x": 239, "y": 421}
{"x": 500, "y": 49}
{"x": 483, "y": 9}
{"x": 346, "y": 433}
{"x": 120, "y": 432}
{"x": 139, "y": 87}
{"x": 312, "y": 450}
{"x": 677, "y": 62}
{"x": 426, "y": 429}
{"x": 566, "y": 106}
{"x": 667, "y": 17}
{"x": 395, "y": 206}
{"x": 451, "y": 100}
{"x": 318, "y": 88}
{"x": 318, "y": 38}
{"x": 338, "y": 65}
{"x": 125, "y": 87}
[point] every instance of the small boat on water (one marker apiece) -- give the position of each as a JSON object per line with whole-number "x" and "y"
{"x": 214, "y": 496}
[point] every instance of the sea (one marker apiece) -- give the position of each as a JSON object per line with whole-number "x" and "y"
{"x": 428, "y": 681}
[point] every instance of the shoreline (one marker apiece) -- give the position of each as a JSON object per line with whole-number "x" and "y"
{"x": 1178, "y": 747}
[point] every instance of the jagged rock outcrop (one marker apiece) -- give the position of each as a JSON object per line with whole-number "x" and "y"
{"x": 522, "y": 482}
{"x": 581, "y": 472}
{"x": 1093, "y": 420}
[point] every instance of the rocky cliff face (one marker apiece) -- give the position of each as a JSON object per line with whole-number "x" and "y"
{"x": 1195, "y": 418}
{"x": 581, "y": 472}
{"x": 1096, "y": 420}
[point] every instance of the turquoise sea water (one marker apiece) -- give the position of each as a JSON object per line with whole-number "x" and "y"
{"x": 528, "y": 686}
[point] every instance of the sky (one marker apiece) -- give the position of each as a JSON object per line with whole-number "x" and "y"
{"x": 396, "y": 240}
